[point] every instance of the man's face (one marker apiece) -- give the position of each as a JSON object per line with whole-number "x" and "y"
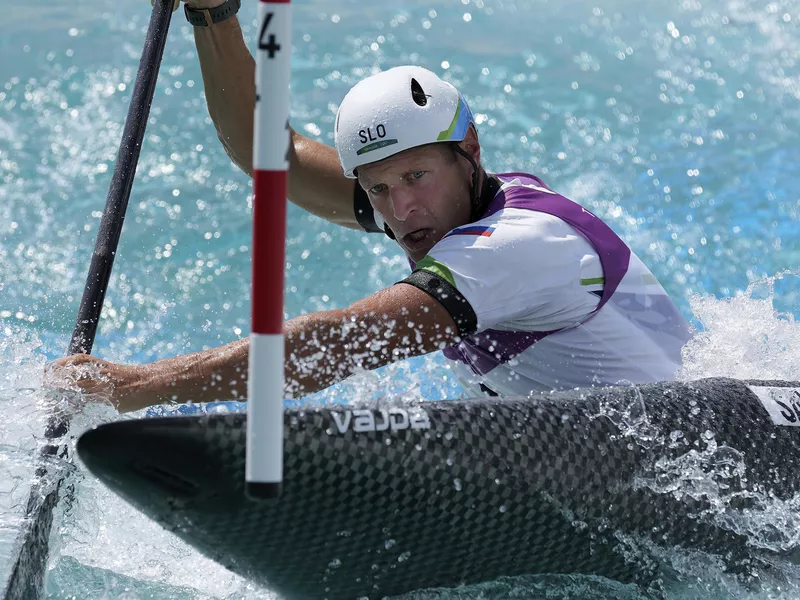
{"x": 421, "y": 193}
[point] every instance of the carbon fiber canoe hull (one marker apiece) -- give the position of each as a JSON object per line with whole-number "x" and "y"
{"x": 381, "y": 501}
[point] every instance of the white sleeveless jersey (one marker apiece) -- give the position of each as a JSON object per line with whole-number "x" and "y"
{"x": 548, "y": 297}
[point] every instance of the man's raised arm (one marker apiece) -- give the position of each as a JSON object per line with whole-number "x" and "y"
{"x": 316, "y": 182}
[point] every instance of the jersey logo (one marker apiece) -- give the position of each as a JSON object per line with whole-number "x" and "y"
{"x": 478, "y": 230}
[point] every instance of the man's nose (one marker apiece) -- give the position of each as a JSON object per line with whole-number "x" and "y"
{"x": 403, "y": 202}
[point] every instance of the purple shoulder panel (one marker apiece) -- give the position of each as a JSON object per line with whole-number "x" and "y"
{"x": 485, "y": 350}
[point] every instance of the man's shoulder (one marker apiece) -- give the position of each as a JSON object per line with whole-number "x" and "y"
{"x": 509, "y": 230}
{"x": 524, "y": 191}
{"x": 519, "y": 182}
{"x": 521, "y": 190}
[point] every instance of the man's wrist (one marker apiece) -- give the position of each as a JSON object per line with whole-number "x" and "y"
{"x": 204, "y": 4}
{"x": 206, "y": 16}
{"x": 140, "y": 386}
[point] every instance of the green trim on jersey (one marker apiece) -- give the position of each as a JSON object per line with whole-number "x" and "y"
{"x": 434, "y": 266}
{"x": 593, "y": 281}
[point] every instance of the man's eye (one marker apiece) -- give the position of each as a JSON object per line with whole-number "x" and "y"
{"x": 417, "y": 174}
{"x": 377, "y": 189}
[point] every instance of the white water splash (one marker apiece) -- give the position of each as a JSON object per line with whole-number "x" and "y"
{"x": 21, "y": 429}
{"x": 91, "y": 526}
{"x": 745, "y": 337}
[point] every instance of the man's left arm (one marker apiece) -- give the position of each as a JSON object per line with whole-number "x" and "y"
{"x": 320, "y": 348}
{"x": 394, "y": 324}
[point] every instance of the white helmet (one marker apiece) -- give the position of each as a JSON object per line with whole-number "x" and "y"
{"x": 395, "y": 110}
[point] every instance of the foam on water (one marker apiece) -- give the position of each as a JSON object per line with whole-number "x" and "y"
{"x": 18, "y": 397}
{"x": 102, "y": 544}
{"x": 100, "y": 547}
{"x": 751, "y": 336}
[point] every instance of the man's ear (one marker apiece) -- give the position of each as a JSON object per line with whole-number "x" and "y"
{"x": 470, "y": 144}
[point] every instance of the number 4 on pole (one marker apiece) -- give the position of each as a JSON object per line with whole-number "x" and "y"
{"x": 269, "y": 44}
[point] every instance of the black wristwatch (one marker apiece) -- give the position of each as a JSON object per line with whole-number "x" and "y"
{"x": 209, "y": 16}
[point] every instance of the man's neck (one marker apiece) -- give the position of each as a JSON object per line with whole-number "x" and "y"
{"x": 487, "y": 186}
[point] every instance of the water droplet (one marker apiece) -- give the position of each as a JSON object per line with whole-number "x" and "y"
{"x": 457, "y": 484}
{"x": 335, "y": 564}
{"x": 448, "y": 436}
{"x": 503, "y": 508}
{"x": 404, "y": 556}
{"x": 388, "y": 544}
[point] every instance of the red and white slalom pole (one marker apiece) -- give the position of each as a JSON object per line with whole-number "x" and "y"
{"x": 264, "y": 471}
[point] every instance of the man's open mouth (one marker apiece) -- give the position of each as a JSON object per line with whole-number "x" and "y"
{"x": 416, "y": 236}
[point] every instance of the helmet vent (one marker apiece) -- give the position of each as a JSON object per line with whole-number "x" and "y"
{"x": 418, "y": 94}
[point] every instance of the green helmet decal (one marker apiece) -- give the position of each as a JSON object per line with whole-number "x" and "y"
{"x": 375, "y": 146}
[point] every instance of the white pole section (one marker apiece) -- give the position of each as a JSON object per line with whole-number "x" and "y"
{"x": 264, "y": 471}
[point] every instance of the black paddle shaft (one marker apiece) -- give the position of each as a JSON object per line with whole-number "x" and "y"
{"x": 121, "y": 182}
{"x": 26, "y": 580}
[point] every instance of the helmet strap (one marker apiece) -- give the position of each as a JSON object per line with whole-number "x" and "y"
{"x": 474, "y": 196}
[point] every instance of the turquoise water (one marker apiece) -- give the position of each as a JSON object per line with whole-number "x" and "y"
{"x": 676, "y": 121}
